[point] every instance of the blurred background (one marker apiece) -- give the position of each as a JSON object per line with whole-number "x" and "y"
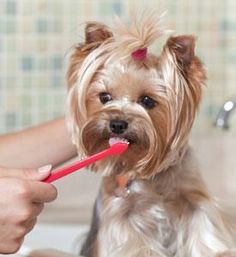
{"x": 35, "y": 37}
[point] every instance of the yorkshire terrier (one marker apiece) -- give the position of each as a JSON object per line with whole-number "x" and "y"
{"x": 152, "y": 201}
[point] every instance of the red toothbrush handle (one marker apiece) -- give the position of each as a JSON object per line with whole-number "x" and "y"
{"x": 117, "y": 148}
{"x": 76, "y": 166}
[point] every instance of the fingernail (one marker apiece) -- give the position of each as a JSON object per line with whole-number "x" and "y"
{"x": 45, "y": 169}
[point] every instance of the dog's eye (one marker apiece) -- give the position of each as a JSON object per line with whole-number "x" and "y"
{"x": 147, "y": 102}
{"x": 105, "y": 97}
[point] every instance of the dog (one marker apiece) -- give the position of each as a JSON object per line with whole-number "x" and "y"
{"x": 152, "y": 201}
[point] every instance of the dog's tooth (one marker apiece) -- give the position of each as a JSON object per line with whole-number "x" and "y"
{"x": 114, "y": 140}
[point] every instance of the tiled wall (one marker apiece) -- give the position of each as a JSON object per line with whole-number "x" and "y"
{"x": 35, "y": 36}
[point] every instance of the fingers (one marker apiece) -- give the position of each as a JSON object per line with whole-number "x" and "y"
{"x": 31, "y": 191}
{"x": 15, "y": 239}
{"x": 30, "y": 174}
{"x": 27, "y": 227}
{"x": 27, "y": 212}
{"x": 42, "y": 192}
{"x": 22, "y": 199}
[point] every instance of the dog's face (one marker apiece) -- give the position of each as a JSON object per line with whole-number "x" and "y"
{"x": 149, "y": 102}
{"x": 127, "y": 103}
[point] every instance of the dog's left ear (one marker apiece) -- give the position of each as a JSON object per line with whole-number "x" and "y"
{"x": 184, "y": 77}
{"x": 95, "y": 34}
{"x": 179, "y": 61}
{"x": 183, "y": 47}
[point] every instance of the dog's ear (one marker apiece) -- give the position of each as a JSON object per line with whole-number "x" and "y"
{"x": 179, "y": 57}
{"x": 184, "y": 76}
{"x": 183, "y": 47}
{"x": 95, "y": 34}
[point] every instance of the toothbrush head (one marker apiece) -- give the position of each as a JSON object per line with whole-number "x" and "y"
{"x": 118, "y": 145}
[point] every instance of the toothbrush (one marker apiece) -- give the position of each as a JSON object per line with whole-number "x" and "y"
{"x": 117, "y": 146}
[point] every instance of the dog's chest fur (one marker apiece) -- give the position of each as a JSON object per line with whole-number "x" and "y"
{"x": 137, "y": 220}
{"x": 148, "y": 220}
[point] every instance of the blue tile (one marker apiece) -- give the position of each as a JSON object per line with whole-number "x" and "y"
{"x": 117, "y": 8}
{"x": 2, "y": 26}
{"x": 57, "y": 63}
{"x": 223, "y": 25}
{"x": 57, "y": 81}
{"x": 11, "y": 120}
{"x": 11, "y": 7}
{"x": 227, "y": 26}
{"x": 41, "y": 26}
{"x": 27, "y": 63}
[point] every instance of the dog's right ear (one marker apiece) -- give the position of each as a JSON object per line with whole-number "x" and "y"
{"x": 95, "y": 34}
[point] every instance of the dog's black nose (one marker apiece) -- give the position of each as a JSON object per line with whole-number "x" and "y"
{"x": 118, "y": 126}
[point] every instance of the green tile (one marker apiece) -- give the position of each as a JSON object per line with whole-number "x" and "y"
{"x": 27, "y": 81}
{"x": 11, "y": 66}
{"x": 104, "y": 8}
{"x": 11, "y": 45}
{"x": 26, "y": 101}
{"x": 28, "y": 8}
{"x": 27, "y": 119}
{"x": 11, "y": 82}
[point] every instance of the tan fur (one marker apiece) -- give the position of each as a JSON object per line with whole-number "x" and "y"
{"x": 167, "y": 211}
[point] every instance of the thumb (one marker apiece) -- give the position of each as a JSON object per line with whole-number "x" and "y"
{"x": 30, "y": 174}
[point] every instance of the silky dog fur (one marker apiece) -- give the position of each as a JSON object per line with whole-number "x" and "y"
{"x": 165, "y": 209}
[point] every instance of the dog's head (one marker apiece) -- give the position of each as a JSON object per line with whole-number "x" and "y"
{"x": 118, "y": 89}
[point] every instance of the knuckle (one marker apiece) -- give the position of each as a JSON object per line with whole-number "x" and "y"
{"x": 25, "y": 214}
{"x": 28, "y": 173}
{"x": 23, "y": 190}
{"x": 31, "y": 225}
{"x": 20, "y": 232}
{"x": 40, "y": 208}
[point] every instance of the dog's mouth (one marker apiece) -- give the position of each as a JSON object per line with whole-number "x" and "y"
{"x": 114, "y": 140}
{"x": 130, "y": 139}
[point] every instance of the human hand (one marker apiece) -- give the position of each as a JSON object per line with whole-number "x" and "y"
{"x": 22, "y": 198}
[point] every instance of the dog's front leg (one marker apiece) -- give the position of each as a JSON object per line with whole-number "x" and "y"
{"x": 89, "y": 247}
